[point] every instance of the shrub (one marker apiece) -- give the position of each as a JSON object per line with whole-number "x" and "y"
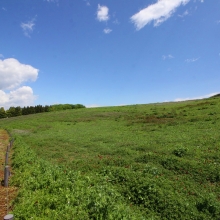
{"x": 180, "y": 152}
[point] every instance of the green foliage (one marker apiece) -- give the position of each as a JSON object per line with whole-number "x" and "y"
{"x": 14, "y": 111}
{"x": 11, "y": 112}
{"x": 157, "y": 161}
{"x": 3, "y": 113}
{"x": 180, "y": 151}
{"x": 54, "y": 192}
{"x": 60, "y": 107}
{"x": 209, "y": 206}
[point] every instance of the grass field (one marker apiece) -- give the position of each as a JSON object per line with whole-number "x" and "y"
{"x": 155, "y": 161}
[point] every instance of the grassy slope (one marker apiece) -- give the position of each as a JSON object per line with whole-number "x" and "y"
{"x": 162, "y": 159}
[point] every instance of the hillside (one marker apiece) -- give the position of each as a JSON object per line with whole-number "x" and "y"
{"x": 154, "y": 161}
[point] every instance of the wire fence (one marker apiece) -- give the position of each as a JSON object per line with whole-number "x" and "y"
{"x": 6, "y": 191}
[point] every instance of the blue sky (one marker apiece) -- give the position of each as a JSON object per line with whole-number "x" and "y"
{"x": 107, "y": 53}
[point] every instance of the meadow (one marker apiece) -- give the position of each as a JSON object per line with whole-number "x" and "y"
{"x": 153, "y": 161}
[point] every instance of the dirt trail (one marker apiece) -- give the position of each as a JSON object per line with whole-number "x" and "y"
{"x": 6, "y": 194}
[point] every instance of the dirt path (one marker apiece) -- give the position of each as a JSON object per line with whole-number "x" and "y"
{"x": 6, "y": 194}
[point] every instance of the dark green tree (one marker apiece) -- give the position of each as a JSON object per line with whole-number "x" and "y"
{"x": 3, "y": 113}
{"x": 11, "y": 112}
{"x": 24, "y": 111}
{"x": 18, "y": 111}
{"x": 32, "y": 110}
{"x": 47, "y": 108}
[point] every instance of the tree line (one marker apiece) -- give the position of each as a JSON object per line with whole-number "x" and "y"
{"x": 18, "y": 111}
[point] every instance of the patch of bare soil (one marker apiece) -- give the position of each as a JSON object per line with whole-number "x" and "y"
{"x": 6, "y": 193}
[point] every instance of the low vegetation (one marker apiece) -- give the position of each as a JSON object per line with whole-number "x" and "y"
{"x": 156, "y": 161}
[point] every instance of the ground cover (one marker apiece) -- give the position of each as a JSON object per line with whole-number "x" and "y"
{"x": 156, "y": 161}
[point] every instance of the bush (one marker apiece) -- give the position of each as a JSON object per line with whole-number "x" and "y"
{"x": 180, "y": 152}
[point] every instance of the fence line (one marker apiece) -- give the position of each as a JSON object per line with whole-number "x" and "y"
{"x": 6, "y": 178}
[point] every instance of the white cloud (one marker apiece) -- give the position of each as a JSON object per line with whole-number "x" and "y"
{"x": 102, "y": 13}
{"x": 107, "y": 30}
{"x": 167, "y": 57}
{"x": 4, "y": 9}
{"x": 199, "y": 97}
{"x": 158, "y": 12}
{"x": 28, "y": 27}
{"x": 1, "y": 56}
{"x": 93, "y": 106}
{"x": 191, "y": 60}
{"x": 13, "y": 73}
{"x": 22, "y": 96}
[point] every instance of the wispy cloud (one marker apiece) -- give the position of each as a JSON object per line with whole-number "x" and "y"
{"x": 107, "y": 30}
{"x": 102, "y": 13}
{"x": 1, "y": 55}
{"x": 158, "y": 12}
{"x": 198, "y": 97}
{"x": 28, "y": 27}
{"x": 192, "y": 60}
{"x": 164, "y": 57}
{"x": 4, "y": 9}
{"x": 185, "y": 13}
{"x": 116, "y": 21}
{"x": 52, "y": 1}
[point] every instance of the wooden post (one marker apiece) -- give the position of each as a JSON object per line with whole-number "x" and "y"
{"x": 8, "y": 148}
{"x": 6, "y": 158}
{"x": 9, "y": 217}
{"x": 6, "y": 176}
{"x": 11, "y": 142}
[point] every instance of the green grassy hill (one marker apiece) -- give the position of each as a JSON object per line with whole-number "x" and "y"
{"x": 155, "y": 161}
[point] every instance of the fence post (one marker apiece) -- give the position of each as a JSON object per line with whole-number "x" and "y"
{"x": 9, "y": 217}
{"x": 8, "y": 148}
{"x": 6, "y": 176}
{"x": 6, "y": 158}
{"x": 11, "y": 142}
